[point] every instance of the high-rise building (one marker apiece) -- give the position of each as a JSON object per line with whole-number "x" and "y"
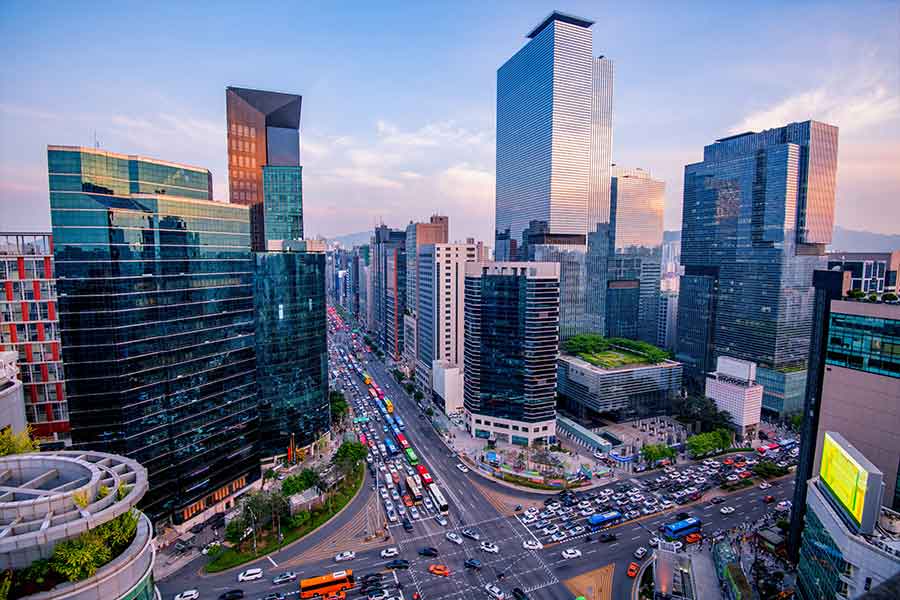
{"x": 441, "y": 308}
{"x": 156, "y": 319}
{"x": 389, "y": 289}
{"x": 758, "y": 212}
{"x": 872, "y": 272}
{"x": 734, "y": 389}
{"x": 667, "y": 317}
{"x": 12, "y": 400}
{"x": 264, "y": 161}
{"x": 29, "y": 325}
{"x": 436, "y": 231}
{"x": 511, "y": 344}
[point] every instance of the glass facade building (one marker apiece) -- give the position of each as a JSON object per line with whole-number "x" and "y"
{"x": 29, "y": 325}
{"x": 283, "y": 202}
{"x": 156, "y": 322}
{"x": 289, "y": 294}
{"x": 511, "y": 344}
{"x": 757, "y": 215}
{"x": 388, "y": 288}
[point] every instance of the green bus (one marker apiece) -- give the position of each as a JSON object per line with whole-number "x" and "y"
{"x": 411, "y": 457}
{"x": 359, "y": 420}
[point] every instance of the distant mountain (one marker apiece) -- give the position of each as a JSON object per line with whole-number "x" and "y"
{"x": 349, "y": 240}
{"x": 850, "y": 240}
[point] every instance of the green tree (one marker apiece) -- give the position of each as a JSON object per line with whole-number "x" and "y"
{"x": 339, "y": 407}
{"x": 418, "y": 395}
{"x": 235, "y": 529}
{"x": 270, "y": 474}
{"x": 80, "y": 557}
{"x": 348, "y": 456}
{"x": 119, "y": 532}
{"x": 796, "y": 421}
{"x": 16, "y": 443}
{"x": 652, "y": 453}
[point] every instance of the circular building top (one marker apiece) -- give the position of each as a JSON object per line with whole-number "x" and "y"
{"x": 48, "y": 497}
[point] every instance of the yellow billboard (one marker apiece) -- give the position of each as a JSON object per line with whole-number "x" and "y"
{"x": 844, "y": 477}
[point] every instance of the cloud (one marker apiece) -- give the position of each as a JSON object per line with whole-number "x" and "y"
{"x": 853, "y": 102}
{"x": 365, "y": 177}
{"x": 432, "y": 134}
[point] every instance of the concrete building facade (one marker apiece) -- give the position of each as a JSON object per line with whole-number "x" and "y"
{"x": 734, "y": 389}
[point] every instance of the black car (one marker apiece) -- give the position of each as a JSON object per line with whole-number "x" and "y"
{"x": 549, "y": 501}
{"x": 231, "y": 595}
{"x": 472, "y": 563}
{"x": 608, "y": 537}
{"x": 274, "y": 596}
{"x": 397, "y": 563}
{"x": 471, "y": 534}
{"x": 407, "y": 524}
{"x": 718, "y": 500}
{"x": 682, "y": 516}
{"x": 198, "y": 528}
{"x": 366, "y": 579}
{"x": 428, "y": 551}
{"x": 518, "y": 594}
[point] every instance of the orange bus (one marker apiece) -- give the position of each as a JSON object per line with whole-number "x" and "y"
{"x": 326, "y": 585}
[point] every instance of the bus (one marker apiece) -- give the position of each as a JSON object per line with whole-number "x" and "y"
{"x": 366, "y": 379}
{"x": 763, "y": 450}
{"x": 389, "y": 405}
{"x": 400, "y": 423}
{"x": 604, "y": 519}
{"x": 415, "y": 492}
{"x": 425, "y": 475}
{"x": 391, "y": 446}
{"x": 390, "y": 421}
{"x": 389, "y": 481}
{"x": 373, "y": 394}
{"x": 362, "y": 439}
{"x": 380, "y": 394}
{"x": 411, "y": 457}
{"x": 438, "y": 498}
{"x": 401, "y": 439}
{"x": 679, "y": 529}
{"x": 787, "y": 444}
{"x": 326, "y": 585}
{"x": 360, "y": 420}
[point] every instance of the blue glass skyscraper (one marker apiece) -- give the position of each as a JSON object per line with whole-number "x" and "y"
{"x": 758, "y": 212}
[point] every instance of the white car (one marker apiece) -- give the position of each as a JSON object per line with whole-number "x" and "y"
{"x": 654, "y": 541}
{"x": 414, "y": 512}
{"x": 558, "y": 537}
{"x": 570, "y": 553}
{"x": 550, "y": 530}
{"x": 640, "y": 553}
{"x": 390, "y": 552}
{"x": 250, "y": 575}
{"x": 764, "y": 486}
{"x": 210, "y": 546}
{"x": 532, "y": 545}
{"x": 463, "y": 468}
{"x": 346, "y": 555}
{"x": 577, "y": 530}
{"x": 726, "y": 510}
{"x": 188, "y": 595}
{"x": 494, "y": 592}
{"x": 529, "y": 519}
{"x": 490, "y": 547}
{"x": 454, "y": 537}
{"x": 532, "y": 511}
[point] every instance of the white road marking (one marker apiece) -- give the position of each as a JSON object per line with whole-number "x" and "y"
{"x": 274, "y": 564}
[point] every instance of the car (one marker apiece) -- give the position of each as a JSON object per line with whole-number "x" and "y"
{"x": 439, "y": 570}
{"x": 209, "y": 547}
{"x": 407, "y": 501}
{"x": 726, "y": 510}
{"x": 718, "y": 500}
{"x": 372, "y": 577}
{"x": 490, "y": 548}
{"x": 414, "y": 512}
{"x": 764, "y": 486}
{"x": 471, "y": 534}
{"x": 519, "y": 594}
{"x": 558, "y": 537}
{"x": 732, "y": 478}
{"x": 745, "y": 474}
{"x": 528, "y": 519}
{"x": 692, "y": 538}
{"x": 231, "y": 595}
{"x": 608, "y": 537}
{"x": 285, "y": 577}
{"x": 397, "y": 563}
{"x": 783, "y": 506}
{"x": 462, "y": 468}
{"x": 653, "y": 542}
{"x": 640, "y": 553}
{"x": 633, "y": 569}
{"x": 188, "y": 595}
{"x": 441, "y": 520}
{"x": 472, "y": 563}
{"x": 429, "y": 551}
{"x": 274, "y": 596}
{"x": 570, "y": 553}
{"x": 531, "y": 511}
{"x": 532, "y": 545}
{"x": 494, "y": 592}
{"x": 390, "y": 552}
{"x": 407, "y": 524}
{"x": 378, "y": 595}
{"x": 346, "y": 555}
{"x": 250, "y": 575}
{"x": 768, "y": 499}
{"x": 550, "y": 530}
{"x": 577, "y": 530}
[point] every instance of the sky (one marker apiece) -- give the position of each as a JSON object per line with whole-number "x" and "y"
{"x": 398, "y": 118}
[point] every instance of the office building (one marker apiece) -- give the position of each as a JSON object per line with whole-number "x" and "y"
{"x": 389, "y": 289}
{"x": 734, "y": 389}
{"x": 758, "y": 213}
{"x": 264, "y": 169}
{"x": 12, "y": 400}
{"x": 872, "y": 272}
{"x": 631, "y": 388}
{"x": 156, "y": 317}
{"x": 447, "y": 387}
{"x": 30, "y": 327}
{"x": 850, "y": 542}
{"x": 511, "y": 344}
{"x": 418, "y": 235}
{"x": 667, "y": 318}
{"x": 49, "y": 507}
{"x": 441, "y": 307}
{"x": 291, "y": 347}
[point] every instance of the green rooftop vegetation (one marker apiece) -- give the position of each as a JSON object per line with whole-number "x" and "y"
{"x": 613, "y": 353}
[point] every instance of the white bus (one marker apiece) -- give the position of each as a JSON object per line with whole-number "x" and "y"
{"x": 438, "y": 498}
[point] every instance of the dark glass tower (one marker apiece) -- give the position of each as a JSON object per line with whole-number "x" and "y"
{"x": 155, "y": 288}
{"x": 264, "y": 161}
{"x": 758, "y": 212}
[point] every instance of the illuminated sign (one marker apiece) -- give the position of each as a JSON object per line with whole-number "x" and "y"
{"x": 845, "y": 478}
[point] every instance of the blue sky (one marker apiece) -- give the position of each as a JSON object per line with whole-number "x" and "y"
{"x": 399, "y": 98}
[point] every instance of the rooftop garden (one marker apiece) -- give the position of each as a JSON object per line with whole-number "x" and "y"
{"x": 613, "y": 353}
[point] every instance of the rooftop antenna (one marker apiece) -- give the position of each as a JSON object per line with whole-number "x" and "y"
{"x": 96, "y": 141}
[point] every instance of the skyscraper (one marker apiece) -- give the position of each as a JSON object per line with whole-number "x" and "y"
{"x": 436, "y": 231}
{"x": 389, "y": 288}
{"x": 511, "y": 345}
{"x": 757, "y": 215}
{"x": 156, "y": 319}
{"x": 264, "y": 161}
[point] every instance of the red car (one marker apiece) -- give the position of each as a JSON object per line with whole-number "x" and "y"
{"x": 768, "y": 499}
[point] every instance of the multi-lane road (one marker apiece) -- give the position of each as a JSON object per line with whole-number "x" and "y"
{"x": 540, "y": 573}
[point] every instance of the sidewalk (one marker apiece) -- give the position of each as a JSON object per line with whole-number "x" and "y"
{"x": 706, "y": 583}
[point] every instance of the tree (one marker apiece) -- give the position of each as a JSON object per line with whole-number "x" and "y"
{"x": 418, "y": 395}
{"x": 80, "y": 557}
{"x": 269, "y": 474}
{"x": 796, "y": 421}
{"x": 235, "y": 529}
{"x": 119, "y": 532}
{"x": 16, "y": 443}
{"x": 348, "y": 457}
{"x": 339, "y": 407}
{"x": 889, "y": 297}
{"x": 652, "y": 453}
{"x": 304, "y": 480}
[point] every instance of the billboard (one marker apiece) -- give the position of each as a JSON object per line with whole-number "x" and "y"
{"x": 852, "y": 481}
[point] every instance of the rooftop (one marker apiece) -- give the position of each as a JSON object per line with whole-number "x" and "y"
{"x": 136, "y": 157}
{"x": 559, "y": 16}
